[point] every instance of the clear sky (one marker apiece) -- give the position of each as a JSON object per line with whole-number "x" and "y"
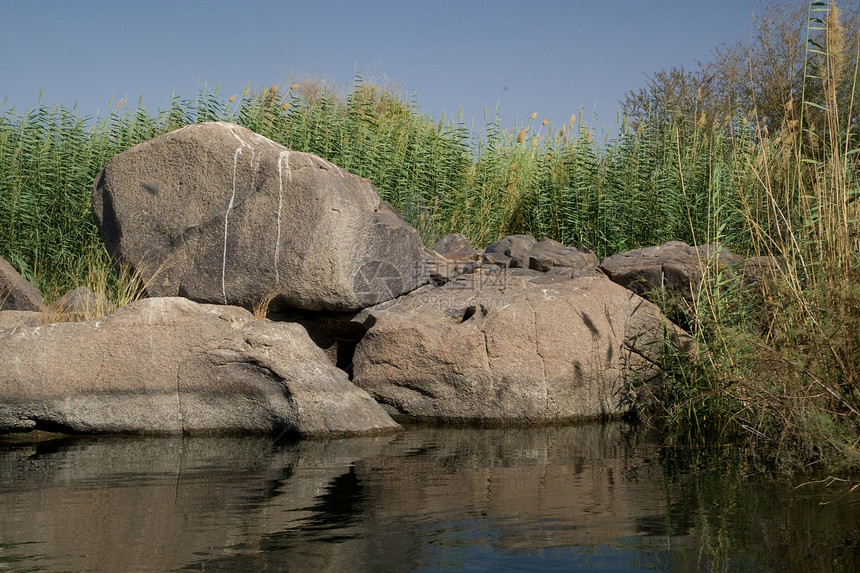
{"x": 552, "y": 57}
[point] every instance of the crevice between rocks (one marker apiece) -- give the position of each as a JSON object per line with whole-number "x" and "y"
{"x": 536, "y": 339}
{"x": 338, "y": 334}
{"x": 179, "y": 401}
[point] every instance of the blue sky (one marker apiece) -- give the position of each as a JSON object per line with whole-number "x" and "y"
{"x": 552, "y": 57}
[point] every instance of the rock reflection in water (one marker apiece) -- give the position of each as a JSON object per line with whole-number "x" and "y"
{"x": 425, "y": 499}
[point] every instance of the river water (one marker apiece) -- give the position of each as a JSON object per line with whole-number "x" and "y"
{"x": 589, "y": 497}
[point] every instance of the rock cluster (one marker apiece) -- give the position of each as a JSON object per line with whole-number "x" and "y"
{"x": 218, "y": 220}
{"x": 453, "y": 255}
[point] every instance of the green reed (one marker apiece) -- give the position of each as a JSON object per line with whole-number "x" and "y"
{"x": 442, "y": 175}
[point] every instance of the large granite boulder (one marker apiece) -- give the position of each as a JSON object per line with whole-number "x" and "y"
{"x": 674, "y": 267}
{"x": 496, "y": 347}
{"x": 171, "y": 366}
{"x": 16, "y": 293}
{"x": 216, "y": 213}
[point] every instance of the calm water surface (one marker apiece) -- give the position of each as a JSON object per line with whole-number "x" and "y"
{"x": 597, "y": 497}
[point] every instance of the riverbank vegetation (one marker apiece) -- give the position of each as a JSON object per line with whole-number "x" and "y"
{"x": 757, "y": 150}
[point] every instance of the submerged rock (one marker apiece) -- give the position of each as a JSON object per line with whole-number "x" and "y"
{"x": 170, "y": 366}
{"x": 219, "y": 214}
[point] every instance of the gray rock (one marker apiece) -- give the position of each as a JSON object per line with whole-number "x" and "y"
{"x": 16, "y": 293}
{"x": 560, "y": 274}
{"x": 526, "y": 252}
{"x": 171, "y": 366}
{"x": 82, "y": 304}
{"x": 512, "y": 245}
{"x": 547, "y": 254}
{"x": 496, "y": 259}
{"x": 757, "y": 270}
{"x": 219, "y": 214}
{"x": 456, "y": 245}
{"x": 444, "y": 268}
{"x": 498, "y": 348}
{"x": 674, "y": 266}
{"x": 506, "y": 249}
{"x": 526, "y": 272}
{"x": 452, "y": 255}
{"x": 336, "y": 333}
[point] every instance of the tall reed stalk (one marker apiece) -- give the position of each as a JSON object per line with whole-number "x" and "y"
{"x": 784, "y": 350}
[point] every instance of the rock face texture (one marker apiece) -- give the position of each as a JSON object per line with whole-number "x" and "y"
{"x": 16, "y": 293}
{"x": 495, "y": 347}
{"x": 216, "y": 213}
{"x": 443, "y": 268}
{"x": 16, "y": 318}
{"x": 170, "y": 366}
{"x": 675, "y": 266}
